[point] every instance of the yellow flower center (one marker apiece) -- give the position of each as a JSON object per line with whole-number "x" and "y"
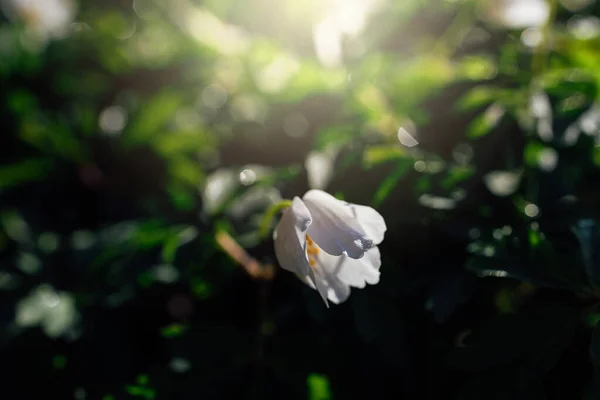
{"x": 312, "y": 250}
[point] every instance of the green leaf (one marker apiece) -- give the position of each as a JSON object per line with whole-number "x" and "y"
{"x": 24, "y": 172}
{"x": 173, "y": 330}
{"x": 337, "y": 135}
{"x": 52, "y": 138}
{"x": 22, "y": 102}
{"x": 201, "y": 288}
{"x": 186, "y": 171}
{"x": 485, "y": 122}
{"x": 142, "y": 379}
{"x": 532, "y": 153}
{"x": 534, "y": 238}
{"x": 380, "y": 154}
{"x": 176, "y": 143}
{"x": 150, "y": 234}
{"x": 182, "y": 198}
{"x": 477, "y": 68}
{"x": 390, "y": 182}
{"x": 318, "y": 387}
{"x": 478, "y": 97}
{"x": 596, "y": 156}
{"x": 170, "y": 249}
{"x": 153, "y": 117}
{"x": 456, "y": 175}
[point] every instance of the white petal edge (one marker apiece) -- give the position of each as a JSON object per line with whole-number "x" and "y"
{"x": 353, "y": 272}
{"x": 334, "y": 228}
{"x": 370, "y": 221}
{"x": 335, "y": 291}
{"x": 290, "y": 238}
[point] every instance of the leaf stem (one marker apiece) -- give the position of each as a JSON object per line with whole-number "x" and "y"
{"x": 266, "y": 222}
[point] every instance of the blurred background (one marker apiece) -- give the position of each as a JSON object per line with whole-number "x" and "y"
{"x": 144, "y": 140}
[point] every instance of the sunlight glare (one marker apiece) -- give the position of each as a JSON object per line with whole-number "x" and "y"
{"x": 344, "y": 18}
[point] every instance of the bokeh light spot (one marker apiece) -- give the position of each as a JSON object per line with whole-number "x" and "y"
{"x": 531, "y": 210}
{"x": 585, "y": 28}
{"x": 420, "y": 166}
{"x": 112, "y": 120}
{"x": 82, "y": 240}
{"x": 214, "y": 96}
{"x": 247, "y": 177}
{"x": 547, "y": 159}
{"x": 295, "y": 125}
{"x": 29, "y": 263}
{"x": 502, "y": 183}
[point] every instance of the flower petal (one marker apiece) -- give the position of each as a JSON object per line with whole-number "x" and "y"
{"x": 329, "y": 287}
{"x": 317, "y": 283}
{"x": 353, "y": 272}
{"x": 370, "y": 221}
{"x": 334, "y": 227}
{"x": 290, "y": 238}
{"x": 336, "y": 291}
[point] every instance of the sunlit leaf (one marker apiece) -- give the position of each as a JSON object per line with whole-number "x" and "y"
{"x": 376, "y": 155}
{"x": 389, "y": 183}
{"x": 318, "y": 387}
{"x": 485, "y": 122}
{"x": 478, "y": 97}
{"x": 153, "y": 116}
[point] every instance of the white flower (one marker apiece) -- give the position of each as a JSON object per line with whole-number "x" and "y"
{"x": 55, "y": 312}
{"x": 329, "y": 244}
{"x": 44, "y": 18}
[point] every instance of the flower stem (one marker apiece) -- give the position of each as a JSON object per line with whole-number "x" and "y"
{"x": 265, "y": 225}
